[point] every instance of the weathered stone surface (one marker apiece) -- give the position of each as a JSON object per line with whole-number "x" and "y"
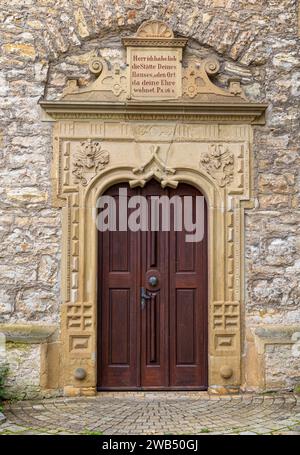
{"x": 24, "y": 50}
{"x": 279, "y": 372}
{"x": 30, "y": 195}
{"x": 25, "y": 333}
{"x": 273, "y": 201}
{"x": 24, "y": 363}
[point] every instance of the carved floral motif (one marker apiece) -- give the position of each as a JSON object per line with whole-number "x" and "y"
{"x": 218, "y": 162}
{"x": 89, "y": 160}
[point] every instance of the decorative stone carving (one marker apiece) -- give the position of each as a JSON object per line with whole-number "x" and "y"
{"x": 150, "y": 131}
{"x": 96, "y": 64}
{"x": 73, "y": 266}
{"x": 226, "y": 315}
{"x": 230, "y": 255}
{"x": 225, "y": 342}
{"x": 80, "y": 374}
{"x": 154, "y": 33}
{"x": 79, "y": 316}
{"x": 219, "y": 163}
{"x": 113, "y": 79}
{"x": 195, "y": 80}
{"x": 226, "y": 372}
{"x": 154, "y": 168}
{"x": 80, "y": 345}
{"x": 111, "y": 83}
{"x": 154, "y": 29}
{"x": 153, "y": 42}
{"x": 235, "y": 87}
{"x": 89, "y": 160}
{"x": 226, "y": 338}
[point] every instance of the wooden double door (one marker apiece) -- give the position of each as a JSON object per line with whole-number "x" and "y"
{"x": 152, "y": 314}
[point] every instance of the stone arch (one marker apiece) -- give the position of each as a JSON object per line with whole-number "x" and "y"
{"x": 87, "y": 285}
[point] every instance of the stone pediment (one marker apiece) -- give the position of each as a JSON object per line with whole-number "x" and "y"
{"x": 154, "y": 78}
{"x": 196, "y": 86}
{"x": 153, "y": 74}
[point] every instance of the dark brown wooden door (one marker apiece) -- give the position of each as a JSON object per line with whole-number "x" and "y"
{"x": 160, "y": 342}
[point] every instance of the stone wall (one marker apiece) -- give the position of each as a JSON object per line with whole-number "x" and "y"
{"x": 24, "y": 367}
{"x": 43, "y": 42}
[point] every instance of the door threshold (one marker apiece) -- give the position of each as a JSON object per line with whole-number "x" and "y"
{"x": 152, "y": 389}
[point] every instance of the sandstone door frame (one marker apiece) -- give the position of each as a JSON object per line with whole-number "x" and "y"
{"x": 209, "y": 147}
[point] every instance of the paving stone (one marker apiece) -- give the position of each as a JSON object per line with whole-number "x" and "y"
{"x": 288, "y": 432}
{"x": 159, "y": 413}
{"x": 248, "y": 433}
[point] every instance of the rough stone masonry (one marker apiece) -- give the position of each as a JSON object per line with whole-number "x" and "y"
{"x": 43, "y": 42}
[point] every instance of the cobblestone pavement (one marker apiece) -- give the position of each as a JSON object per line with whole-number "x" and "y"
{"x": 156, "y": 413}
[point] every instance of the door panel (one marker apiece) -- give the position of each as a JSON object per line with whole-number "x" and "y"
{"x": 154, "y": 318}
{"x": 119, "y": 327}
{"x": 163, "y": 343}
{"x": 188, "y": 306}
{"x": 185, "y": 326}
{"x": 117, "y": 358}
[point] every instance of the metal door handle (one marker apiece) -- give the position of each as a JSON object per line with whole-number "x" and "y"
{"x": 153, "y": 280}
{"x": 144, "y": 297}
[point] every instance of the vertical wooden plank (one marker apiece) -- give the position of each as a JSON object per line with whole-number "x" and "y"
{"x": 188, "y": 307}
{"x": 118, "y": 350}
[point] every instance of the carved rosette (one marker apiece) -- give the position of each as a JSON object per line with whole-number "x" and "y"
{"x": 89, "y": 160}
{"x": 219, "y": 164}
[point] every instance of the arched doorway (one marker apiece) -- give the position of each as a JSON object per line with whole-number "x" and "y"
{"x": 152, "y": 298}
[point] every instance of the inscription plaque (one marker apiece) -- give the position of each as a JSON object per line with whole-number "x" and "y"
{"x": 154, "y": 73}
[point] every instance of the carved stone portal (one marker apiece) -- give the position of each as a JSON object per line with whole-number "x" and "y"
{"x": 206, "y": 143}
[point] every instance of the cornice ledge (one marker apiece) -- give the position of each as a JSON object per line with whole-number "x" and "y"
{"x": 154, "y": 42}
{"x": 253, "y": 113}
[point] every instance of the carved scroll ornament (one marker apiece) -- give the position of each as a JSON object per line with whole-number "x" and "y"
{"x": 195, "y": 80}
